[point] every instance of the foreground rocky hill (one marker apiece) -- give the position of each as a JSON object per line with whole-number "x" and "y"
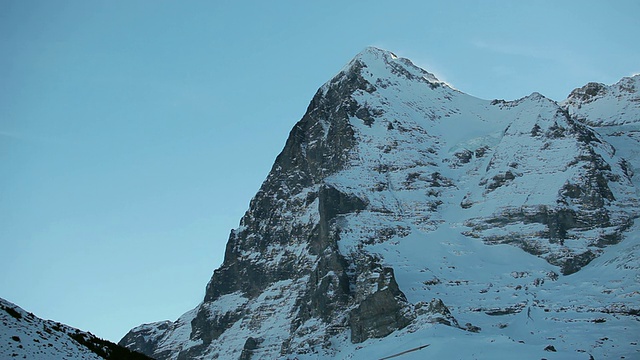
{"x": 403, "y": 214}
{"x": 26, "y": 336}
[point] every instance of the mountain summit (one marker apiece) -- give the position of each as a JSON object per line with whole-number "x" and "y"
{"x": 403, "y": 213}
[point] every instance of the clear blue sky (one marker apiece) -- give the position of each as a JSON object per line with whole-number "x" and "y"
{"x": 134, "y": 133}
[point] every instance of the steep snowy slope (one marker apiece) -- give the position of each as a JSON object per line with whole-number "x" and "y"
{"x": 25, "y": 336}
{"x": 403, "y": 212}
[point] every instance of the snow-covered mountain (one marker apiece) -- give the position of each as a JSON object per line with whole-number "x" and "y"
{"x": 403, "y": 213}
{"x": 26, "y": 336}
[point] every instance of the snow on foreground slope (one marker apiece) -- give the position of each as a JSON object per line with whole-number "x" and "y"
{"x": 404, "y": 213}
{"x": 25, "y": 336}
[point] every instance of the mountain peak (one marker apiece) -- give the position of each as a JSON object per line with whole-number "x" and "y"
{"x": 380, "y": 62}
{"x": 374, "y": 52}
{"x": 537, "y": 98}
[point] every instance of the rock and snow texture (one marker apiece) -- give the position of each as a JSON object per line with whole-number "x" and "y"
{"x": 403, "y": 212}
{"x": 600, "y": 105}
{"x": 25, "y": 336}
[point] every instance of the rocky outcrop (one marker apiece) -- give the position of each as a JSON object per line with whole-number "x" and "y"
{"x": 249, "y": 346}
{"x": 599, "y": 105}
{"x": 382, "y": 312}
{"x": 145, "y": 337}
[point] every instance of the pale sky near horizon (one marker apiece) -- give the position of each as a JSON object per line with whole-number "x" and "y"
{"x": 133, "y": 134}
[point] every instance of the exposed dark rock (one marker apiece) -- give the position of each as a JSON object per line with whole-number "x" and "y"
{"x": 142, "y": 340}
{"x": 249, "y": 346}
{"x": 437, "y": 312}
{"x": 463, "y": 157}
{"x": 466, "y": 202}
{"x": 536, "y": 130}
{"x": 571, "y": 264}
{"x": 329, "y": 287}
{"x": 411, "y": 178}
{"x": 438, "y": 180}
{"x": 558, "y": 223}
{"x": 472, "y": 328}
{"x": 587, "y": 92}
{"x": 215, "y": 324}
{"x": 382, "y": 312}
{"x": 555, "y": 131}
{"x": 514, "y": 309}
{"x": 481, "y": 151}
{"x": 500, "y": 180}
{"x": 11, "y": 311}
{"x": 334, "y": 203}
{"x": 622, "y": 309}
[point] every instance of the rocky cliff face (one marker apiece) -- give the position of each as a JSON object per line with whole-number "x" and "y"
{"x": 388, "y": 211}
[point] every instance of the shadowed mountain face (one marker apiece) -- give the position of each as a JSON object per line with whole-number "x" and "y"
{"x": 401, "y": 208}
